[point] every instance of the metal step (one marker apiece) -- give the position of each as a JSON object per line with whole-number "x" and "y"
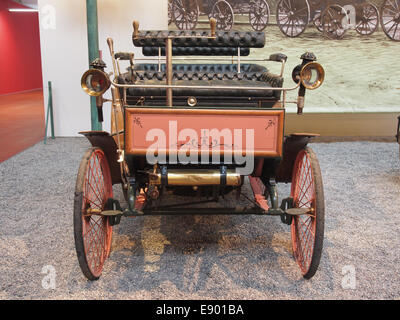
{"x": 111, "y": 213}
{"x": 298, "y": 211}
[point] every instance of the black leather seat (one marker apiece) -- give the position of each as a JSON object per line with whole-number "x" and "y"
{"x": 210, "y": 75}
{"x": 191, "y": 39}
{"x": 251, "y": 75}
{"x": 210, "y": 68}
{"x": 196, "y": 51}
{"x": 188, "y": 92}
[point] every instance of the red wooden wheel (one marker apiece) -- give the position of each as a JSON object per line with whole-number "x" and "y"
{"x": 308, "y": 229}
{"x": 92, "y": 231}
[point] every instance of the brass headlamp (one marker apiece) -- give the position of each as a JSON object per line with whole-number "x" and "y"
{"x": 311, "y": 76}
{"x": 95, "y": 82}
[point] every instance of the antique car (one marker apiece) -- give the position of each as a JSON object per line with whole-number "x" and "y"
{"x": 202, "y": 130}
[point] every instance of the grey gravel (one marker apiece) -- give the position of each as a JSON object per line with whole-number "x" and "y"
{"x": 202, "y": 257}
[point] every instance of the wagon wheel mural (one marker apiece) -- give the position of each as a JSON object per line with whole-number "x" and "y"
{"x": 223, "y": 13}
{"x": 169, "y": 12}
{"x": 390, "y": 19}
{"x": 332, "y": 21}
{"x": 317, "y": 22}
{"x": 259, "y": 14}
{"x": 292, "y": 16}
{"x": 185, "y": 14}
{"x": 369, "y": 19}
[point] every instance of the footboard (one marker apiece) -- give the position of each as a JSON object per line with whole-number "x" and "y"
{"x": 217, "y": 132}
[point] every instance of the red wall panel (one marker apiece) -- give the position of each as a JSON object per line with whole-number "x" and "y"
{"x": 20, "y": 61}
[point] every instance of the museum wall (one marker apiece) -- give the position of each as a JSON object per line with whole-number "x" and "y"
{"x": 63, "y": 32}
{"x": 20, "y": 63}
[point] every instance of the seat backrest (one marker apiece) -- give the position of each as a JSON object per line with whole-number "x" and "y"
{"x": 192, "y": 39}
{"x": 196, "y": 51}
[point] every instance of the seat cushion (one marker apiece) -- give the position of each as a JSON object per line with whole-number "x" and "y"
{"x": 199, "y": 75}
{"x": 203, "y": 92}
{"x": 251, "y": 75}
{"x": 204, "y": 67}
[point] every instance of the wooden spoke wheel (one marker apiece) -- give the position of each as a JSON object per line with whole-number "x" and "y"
{"x": 259, "y": 14}
{"x": 332, "y": 21}
{"x": 369, "y": 19}
{"x": 169, "y": 12}
{"x": 390, "y": 19}
{"x": 185, "y": 14}
{"x": 308, "y": 229}
{"x": 91, "y": 230}
{"x": 317, "y": 22}
{"x": 223, "y": 13}
{"x": 292, "y": 17}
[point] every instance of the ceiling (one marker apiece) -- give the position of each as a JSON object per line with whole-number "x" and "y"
{"x": 29, "y": 3}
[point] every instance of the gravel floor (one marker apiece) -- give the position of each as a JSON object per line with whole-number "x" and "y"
{"x": 227, "y": 257}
